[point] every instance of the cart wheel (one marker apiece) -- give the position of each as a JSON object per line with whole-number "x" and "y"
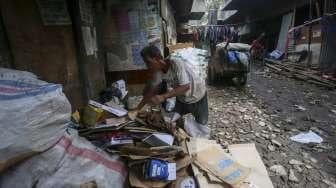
{"x": 211, "y": 75}
{"x": 241, "y": 79}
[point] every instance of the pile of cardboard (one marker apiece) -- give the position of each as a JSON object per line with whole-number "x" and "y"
{"x": 191, "y": 162}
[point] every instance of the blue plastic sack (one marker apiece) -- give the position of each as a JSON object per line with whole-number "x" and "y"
{"x": 232, "y": 57}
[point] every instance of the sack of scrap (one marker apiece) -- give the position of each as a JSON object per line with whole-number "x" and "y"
{"x": 33, "y": 116}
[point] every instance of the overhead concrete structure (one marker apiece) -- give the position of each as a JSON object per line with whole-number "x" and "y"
{"x": 250, "y": 11}
{"x": 188, "y": 10}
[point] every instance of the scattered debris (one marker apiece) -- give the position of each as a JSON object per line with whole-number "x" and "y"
{"x": 262, "y": 124}
{"x": 298, "y": 168}
{"x": 292, "y": 176}
{"x": 276, "y": 130}
{"x": 300, "y": 73}
{"x": 279, "y": 170}
{"x": 300, "y": 108}
{"x": 305, "y": 155}
{"x": 277, "y": 143}
{"x": 329, "y": 183}
{"x": 332, "y": 156}
{"x": 333, "y": 111}
{"x": 308, "y": 166}
{"x": 271, "y": 147}
{"x": 306, "y": 138}
{"x": 313, "y": 160}
{"x": 295, "y": 162}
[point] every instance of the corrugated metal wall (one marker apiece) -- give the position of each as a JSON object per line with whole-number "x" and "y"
{"x": 328, "y": 56}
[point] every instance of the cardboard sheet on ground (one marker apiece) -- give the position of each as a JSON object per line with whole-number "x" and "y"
{"x": 203, "y": 181}
{"x": 221, "y": 165}
{"x": 194, "y": 146}
{"x": 247, "y": 155}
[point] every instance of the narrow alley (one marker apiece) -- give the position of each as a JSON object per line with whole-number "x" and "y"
{"x": 168, "y": 93}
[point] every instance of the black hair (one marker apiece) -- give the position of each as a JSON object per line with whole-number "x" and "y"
{"x": 166, "y": 52}
{"x": 151, "y": 51}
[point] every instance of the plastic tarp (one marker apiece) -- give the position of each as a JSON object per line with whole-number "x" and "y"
{"x": 235, "y": 46}
{"x": 33, "y": 115}
{"x": 72, "y": 162}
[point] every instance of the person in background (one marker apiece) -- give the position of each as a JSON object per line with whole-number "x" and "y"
{"x": 190, "y": 91}
{"x": 257, "y": 48}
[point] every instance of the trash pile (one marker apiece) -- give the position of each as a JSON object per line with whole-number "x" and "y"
{"x": 158, "y": 152}
{"x": 104, "y": 145}
{"x": 161, "y": 149}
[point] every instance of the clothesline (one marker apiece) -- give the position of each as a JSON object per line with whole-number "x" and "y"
{"x": 211, "y": 25}
{"x": 213, "y": 34}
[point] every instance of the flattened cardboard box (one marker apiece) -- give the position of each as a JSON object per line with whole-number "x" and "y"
{"x": 222, "y": 166}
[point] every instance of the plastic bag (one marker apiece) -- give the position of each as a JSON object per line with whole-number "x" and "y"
{"x": 195, "y": 129}
{"x": 309, "y": 137}
{"x": 243, "y": 58}
{"x": 72, "y": 162}
{"x": 196, "y": 60}
{"x": 170, "y": 104}
{"x": 33, "y": 116}
{"x": 232, "y": 57}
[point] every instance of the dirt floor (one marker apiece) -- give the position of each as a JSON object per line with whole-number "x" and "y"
{"x": 268, "y": 111}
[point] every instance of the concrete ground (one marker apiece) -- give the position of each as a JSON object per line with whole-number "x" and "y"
{"x": 268, "y": 111}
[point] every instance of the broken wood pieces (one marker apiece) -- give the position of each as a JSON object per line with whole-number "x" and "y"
{"x": 301, "y": 73}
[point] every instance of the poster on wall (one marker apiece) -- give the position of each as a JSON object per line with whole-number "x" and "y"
{"x": 136, "y": 55}
{"x": 121, "y": 19}
{"x": 134, "y": 20}
{"x": 137, "y": 24}
{"x": 54, "y": 12}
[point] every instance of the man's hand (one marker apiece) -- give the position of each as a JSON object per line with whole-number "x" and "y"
{"x": 133, "y": 114}
{"x": 157, "y": 99}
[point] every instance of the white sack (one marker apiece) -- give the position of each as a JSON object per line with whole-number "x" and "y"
{"x": 72, "y": 162}
{"x": 33, "y": 115}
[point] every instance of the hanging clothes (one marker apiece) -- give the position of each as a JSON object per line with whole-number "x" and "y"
{"x": 213, "y": 34}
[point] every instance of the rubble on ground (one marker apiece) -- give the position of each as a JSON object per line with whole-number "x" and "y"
{"x": 270, "y": 128}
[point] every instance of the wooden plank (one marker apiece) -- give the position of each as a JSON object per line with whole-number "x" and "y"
{"x": 273, "y": 67}
{"x": 302, "y": 74}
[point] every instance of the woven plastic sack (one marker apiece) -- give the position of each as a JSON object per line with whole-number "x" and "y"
{"x": 33, "y": 116}
{"x": 72, "y": 162}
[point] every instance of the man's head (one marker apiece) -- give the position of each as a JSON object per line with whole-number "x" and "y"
{"x": 152, "y": 57}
